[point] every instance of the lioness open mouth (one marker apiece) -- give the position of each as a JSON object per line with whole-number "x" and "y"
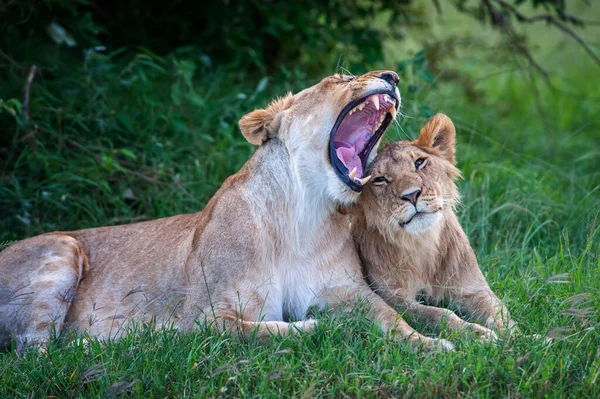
{"x": 356, "y": 132}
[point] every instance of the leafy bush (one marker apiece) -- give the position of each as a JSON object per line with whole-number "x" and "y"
{"x": 120, "y": 140}
{"x": 263, "y": 35}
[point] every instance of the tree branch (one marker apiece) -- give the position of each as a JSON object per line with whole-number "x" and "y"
{"x": 500, "y": 20}
{"x": 550, "y": 19}
{"x": 9, "y": 59}
{"x": 25, "y": 107}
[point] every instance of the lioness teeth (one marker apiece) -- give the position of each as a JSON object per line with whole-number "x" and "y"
{"x": 364, "y": 180}
{"x": 375, "y": 99}
{"x": 392, "y": 111}
{"x": 379, "y": 123}
{"x": 352, "y": 173}
{"x": 359, "y": 107}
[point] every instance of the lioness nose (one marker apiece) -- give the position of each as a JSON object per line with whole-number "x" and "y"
{"x": 390, "y": 77}
{"x": 412, "y": 197}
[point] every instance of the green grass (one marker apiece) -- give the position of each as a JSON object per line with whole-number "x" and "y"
{"x": 345, "y": 356}
{"x": 128, "y": 137}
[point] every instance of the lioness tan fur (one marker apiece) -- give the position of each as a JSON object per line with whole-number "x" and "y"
{"x": 409, "y": 238}
{"x": 267, "y": 247}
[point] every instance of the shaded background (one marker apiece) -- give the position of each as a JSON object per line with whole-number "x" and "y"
{"x": 133, "y": 107}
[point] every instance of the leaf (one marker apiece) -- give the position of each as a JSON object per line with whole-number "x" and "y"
{"x": 402, "y": 65}
{"x": 186, "y": 70}
{"x": 426, "y": 76}
{"x": 126, "y": 122}
{"x": 261, "y": 86}
{"x": 195, "y": 99}
{"x": 12, "y": 106}
{"x": 105, "y": 185}
{"x": 176, "y": 94}
{"x": 128, "y": 153}
{"x": 60, "y": 35}
{"x": 419, "y": 59}
{"x": 179, "y": 126}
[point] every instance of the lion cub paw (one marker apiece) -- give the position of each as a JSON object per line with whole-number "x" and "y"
{"x": 304, "y": 325}
{"x": 437, "y": 344}
{"x": 483, "y": 333}
{"x": 442, "y": 345}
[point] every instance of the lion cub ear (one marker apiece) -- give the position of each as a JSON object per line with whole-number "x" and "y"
{"x": 261, "y": 125}
{"x": 439, "y": 133}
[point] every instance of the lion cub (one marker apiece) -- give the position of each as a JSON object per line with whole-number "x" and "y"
{"x": 410, "y": 240}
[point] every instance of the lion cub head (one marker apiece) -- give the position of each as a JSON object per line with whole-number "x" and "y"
{"x": 330, "y": 130}
{"x": 413, "y": 182}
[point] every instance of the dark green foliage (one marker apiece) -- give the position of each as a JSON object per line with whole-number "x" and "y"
{"x": 262, "y": 35}
{"x": 101, "y": 143}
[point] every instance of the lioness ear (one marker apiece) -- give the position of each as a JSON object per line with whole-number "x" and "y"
{"x": 262, "y": 124}
{"x": 439, "y": 133}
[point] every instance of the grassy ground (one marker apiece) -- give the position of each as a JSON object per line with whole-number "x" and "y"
{"x": 134, "y": 138}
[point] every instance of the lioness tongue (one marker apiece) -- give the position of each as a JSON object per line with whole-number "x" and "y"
{"x": 347, "y": 154}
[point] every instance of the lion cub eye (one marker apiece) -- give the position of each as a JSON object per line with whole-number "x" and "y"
{"x": 420, "y": 163}
{"x": 379, "y": 180}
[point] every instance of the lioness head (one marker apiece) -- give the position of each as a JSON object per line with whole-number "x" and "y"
{"x": 331, "y": 130}
{"x": 413, "y": 182}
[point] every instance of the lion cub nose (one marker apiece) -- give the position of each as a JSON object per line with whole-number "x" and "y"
{"x": 412, "y": 196}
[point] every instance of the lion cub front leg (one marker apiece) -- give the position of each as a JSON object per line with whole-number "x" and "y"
{"x": 384, "y": 315}
{"x": 485, "y": 307}
{"x": 437, "y": 317}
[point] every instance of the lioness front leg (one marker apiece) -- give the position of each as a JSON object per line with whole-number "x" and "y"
{"x": 385, "y": 316}
{"x": 264, "y": 329}
{"x": 437, "y": 317}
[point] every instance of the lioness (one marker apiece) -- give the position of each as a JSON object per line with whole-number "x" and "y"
{"x": 267, "y": 247}
{"x": 410, "y": 240}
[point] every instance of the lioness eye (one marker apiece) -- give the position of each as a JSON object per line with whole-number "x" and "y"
{"x": 380, "y": 180}
{"x": 419, "y": 162}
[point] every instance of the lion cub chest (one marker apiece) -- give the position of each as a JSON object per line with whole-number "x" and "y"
{"x": 409, "y": 271}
